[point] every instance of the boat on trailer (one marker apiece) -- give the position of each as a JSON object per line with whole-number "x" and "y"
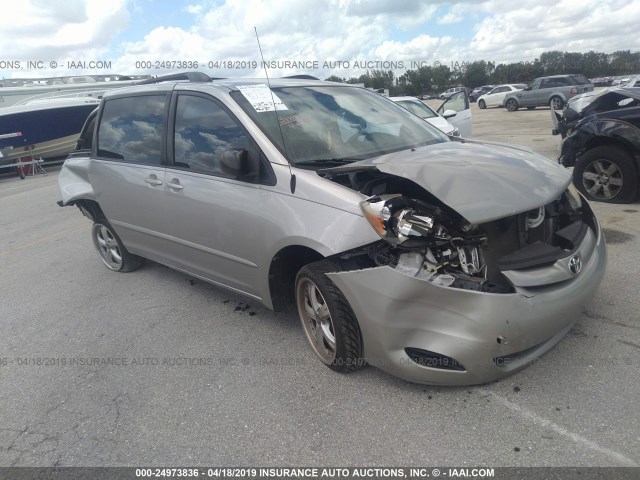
{"x": 43, "y": 128}
{"x": 16, "y": 91}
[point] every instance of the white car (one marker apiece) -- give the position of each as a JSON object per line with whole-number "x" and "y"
{"x": 455, "y": 121}
{"x": 495, "y": 98}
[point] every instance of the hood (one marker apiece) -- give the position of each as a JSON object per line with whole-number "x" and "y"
{"x": 481, "y": 181}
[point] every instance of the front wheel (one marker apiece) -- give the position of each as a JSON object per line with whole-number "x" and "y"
{"x": 329, "y": 323}
{"x": 607, "y": 174}
{"x": 111, "y": 250}
{"x": 481, "y": 104}
{"x": 511, "y": 105}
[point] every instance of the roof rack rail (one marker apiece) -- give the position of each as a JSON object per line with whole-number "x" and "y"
{"x": 190, "y": 76}
{"x": 302, "y": 77}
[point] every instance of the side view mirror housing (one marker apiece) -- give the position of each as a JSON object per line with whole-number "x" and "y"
{"x": 449, "y": 113}
{"x": 235, "y": 162}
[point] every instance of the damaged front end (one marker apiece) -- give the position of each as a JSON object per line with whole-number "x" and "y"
{"x": 447, "y": 301}
{"x": 423, "y": 241}
{"x": 424, "y": 238}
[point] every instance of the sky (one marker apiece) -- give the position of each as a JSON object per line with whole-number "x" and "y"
{"x": 332, "y": 37}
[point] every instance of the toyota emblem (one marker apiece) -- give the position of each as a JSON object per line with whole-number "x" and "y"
{"x": 575, "y": 264}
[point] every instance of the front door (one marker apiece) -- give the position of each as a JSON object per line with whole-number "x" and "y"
{"x": 212, "y": 213}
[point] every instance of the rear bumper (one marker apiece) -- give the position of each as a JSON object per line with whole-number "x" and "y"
{"x": 489, "y": 335}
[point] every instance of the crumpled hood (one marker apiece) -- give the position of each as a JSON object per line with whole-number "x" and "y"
{"x": 482, "y": 181}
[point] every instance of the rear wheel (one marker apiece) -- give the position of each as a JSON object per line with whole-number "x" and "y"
{"x": 111, "y": 250}
{"x": 329, "y": 323}
{"x": 511, "y": 105}
{"x": 556, "y": 103}
{"x": 607, "y": 174}
{"x": 481, "y": 104}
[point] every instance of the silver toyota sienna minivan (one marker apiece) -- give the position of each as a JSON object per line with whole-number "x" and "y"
{"x": 440, "y": 260}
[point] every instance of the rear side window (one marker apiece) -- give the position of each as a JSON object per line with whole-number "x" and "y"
{"x": 564, "y": 81}
{"x": 131, "y": 129}
{"x": 580, "y": 79}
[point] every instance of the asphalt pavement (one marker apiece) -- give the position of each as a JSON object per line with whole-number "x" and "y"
{"x": 157, "y": 368}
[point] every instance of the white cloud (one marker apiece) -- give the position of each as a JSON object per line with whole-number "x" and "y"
{"x": 44, "y": 30}
{"x": 455, "y": 14}
{"x": 335, "y": 30}
{"x": 523, "y": 30}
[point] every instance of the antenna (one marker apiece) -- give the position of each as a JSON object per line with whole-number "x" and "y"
{"x": 275, "y": 110}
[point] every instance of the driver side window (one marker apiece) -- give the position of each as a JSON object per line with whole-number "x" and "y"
{"x": 535, "y": 85}
{"x": 205, "y": 136}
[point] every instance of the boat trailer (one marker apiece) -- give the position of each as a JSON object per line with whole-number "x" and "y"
{"x": 35, "y": 164}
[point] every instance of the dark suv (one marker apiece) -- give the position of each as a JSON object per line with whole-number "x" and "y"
{"x": 602, "y": 141}
{"x": 548, "y": 91}
{"x": 479, "y": 91}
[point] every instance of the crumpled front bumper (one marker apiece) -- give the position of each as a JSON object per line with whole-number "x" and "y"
{"x": 491, "y": 335}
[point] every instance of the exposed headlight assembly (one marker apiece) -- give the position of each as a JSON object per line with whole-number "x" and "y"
{"x": 395, "y": 218}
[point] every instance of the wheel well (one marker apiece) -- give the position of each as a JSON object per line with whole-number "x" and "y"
{"x": 89, "y": 208}
{"x": 283, "y": 270}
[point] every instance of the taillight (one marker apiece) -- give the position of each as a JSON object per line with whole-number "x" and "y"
{"x": 574, "y": 90}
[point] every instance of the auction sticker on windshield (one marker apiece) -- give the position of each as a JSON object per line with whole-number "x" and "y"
{"x": 262, "y": 98}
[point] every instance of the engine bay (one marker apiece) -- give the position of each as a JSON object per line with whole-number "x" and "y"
{"x": 424, "y": 238}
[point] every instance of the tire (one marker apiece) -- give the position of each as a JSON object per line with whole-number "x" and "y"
{"x": 531, "y": 108}
{"x": 511, "y": 105}
{"x": 111, "y": 250}
{"x": 481, "y": 104}
{"x": 328, "y": 322}
{"x": 607, "y": 174}
{"x": 556, "y": 103}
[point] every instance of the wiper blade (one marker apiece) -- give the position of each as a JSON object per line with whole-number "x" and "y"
{"x": 324, "y": 162}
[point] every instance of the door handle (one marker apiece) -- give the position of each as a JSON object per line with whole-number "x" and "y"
{"x": 153, "y": 180}
{"x": 175, "y": 184}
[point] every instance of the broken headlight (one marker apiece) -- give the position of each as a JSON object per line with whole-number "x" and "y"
{"x": 397, "y": 218}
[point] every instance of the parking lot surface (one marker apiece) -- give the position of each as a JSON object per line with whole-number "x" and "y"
{"x": 157, "y": 368}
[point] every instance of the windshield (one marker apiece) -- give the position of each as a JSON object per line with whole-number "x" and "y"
{"x": 325, "y": 125}
{"x": 418, "y": 108}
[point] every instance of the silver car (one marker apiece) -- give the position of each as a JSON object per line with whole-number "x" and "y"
{"x": 439, "y": 260}
{"x": 552, "y": 91}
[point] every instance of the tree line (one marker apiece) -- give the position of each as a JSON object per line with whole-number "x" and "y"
{"x": 438, "y": 77}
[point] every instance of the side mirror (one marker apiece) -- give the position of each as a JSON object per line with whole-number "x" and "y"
{"x": 527, "y": 89}
{"x": 449, "y": 113}
{"x": 234, "y": 162}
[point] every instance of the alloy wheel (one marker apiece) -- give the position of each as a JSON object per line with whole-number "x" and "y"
{"x": 602, "y": 179}
{"x": 316, "y": 320}
{"x": 107, "y": 246}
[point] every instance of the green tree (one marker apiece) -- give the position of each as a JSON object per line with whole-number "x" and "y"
{"x": 475, "y": 74}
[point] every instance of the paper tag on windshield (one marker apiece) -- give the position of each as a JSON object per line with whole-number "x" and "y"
{"x": 262, "y": 98}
